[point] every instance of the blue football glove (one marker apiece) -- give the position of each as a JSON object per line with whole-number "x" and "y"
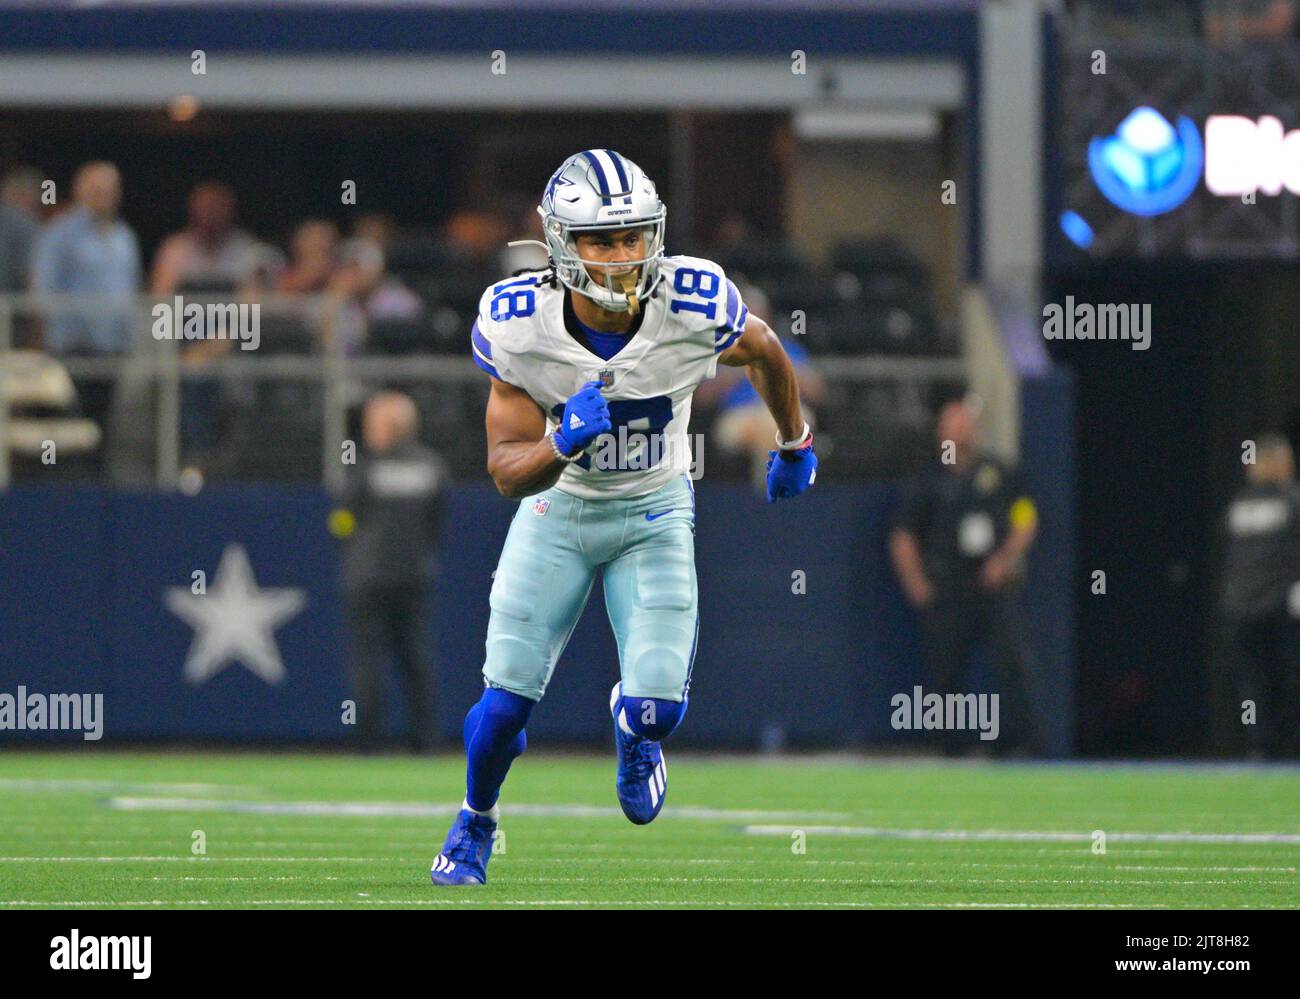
{"x": 586, "y": 417}
{"x": 791, "y": 473}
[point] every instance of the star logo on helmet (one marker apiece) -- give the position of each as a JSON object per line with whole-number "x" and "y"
{"x": 558, "y": 180}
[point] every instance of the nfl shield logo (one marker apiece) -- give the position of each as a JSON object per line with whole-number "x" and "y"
{"x": 540, "y": 506}
{"x": 606, "y": 376}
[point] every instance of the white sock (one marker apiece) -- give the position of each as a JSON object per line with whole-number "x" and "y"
{"x": 494, "y": 813}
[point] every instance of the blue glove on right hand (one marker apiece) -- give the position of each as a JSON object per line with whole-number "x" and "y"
{"x": 586, "y": 417}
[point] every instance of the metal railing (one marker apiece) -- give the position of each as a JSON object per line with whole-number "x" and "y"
{"x": 333, "y": 364}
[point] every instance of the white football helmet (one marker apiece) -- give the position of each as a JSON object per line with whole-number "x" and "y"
{"x": 599, "y": 189}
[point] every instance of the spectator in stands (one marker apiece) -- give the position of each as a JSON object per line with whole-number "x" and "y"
{"x": 390, "y": 519}
{"x": 361, "y": 274}
{"x": 19, "y": 226}
{"x": 363, "y": 255}
{"x": 744, "y": 426}
{"x": 90, "y": 251}
{"x": 313, "y": 258}
{"x": 210, "y": 254}
{"x": 960, "y": 537}
{"x": 312, "y": 271}
{"x": 734, "y": 230}
{"x": 361, "y": 292}
{"x": 1260, "y": 598}
{"x": 1249, "y": 21}
{"x": 478, "y": 234}
{"x": 21, "y": 189}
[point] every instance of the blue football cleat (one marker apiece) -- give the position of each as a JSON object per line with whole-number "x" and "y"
{"x": 642, "y": 771}
{"x": 464, "y": 856}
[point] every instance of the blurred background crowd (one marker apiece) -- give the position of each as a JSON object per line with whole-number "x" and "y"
{"x": 365, "y": 284}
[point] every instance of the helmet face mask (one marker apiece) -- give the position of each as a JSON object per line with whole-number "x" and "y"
{"x": 601, "y": 191}
{"x": 619, "y": 277}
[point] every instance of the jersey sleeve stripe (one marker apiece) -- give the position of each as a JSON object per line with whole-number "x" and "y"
{"x": 722, "y": 345}
{"x": 480, "y": 342}
{"x": 485, "y": 364}
{"x": 724, "y": 338}
{"x": 735, "y": 325}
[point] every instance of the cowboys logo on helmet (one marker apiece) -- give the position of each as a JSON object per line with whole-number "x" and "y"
{"x": 601, "y": 190}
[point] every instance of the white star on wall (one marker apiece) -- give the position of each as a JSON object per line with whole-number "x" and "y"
{"x": 234, "y": 620}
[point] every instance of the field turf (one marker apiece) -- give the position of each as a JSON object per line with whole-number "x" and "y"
{"x": 104, "y": 829}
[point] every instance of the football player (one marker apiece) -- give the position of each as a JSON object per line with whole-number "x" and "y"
{"x": 592, "y": 364}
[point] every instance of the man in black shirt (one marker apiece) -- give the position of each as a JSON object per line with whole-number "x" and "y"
{"x": 1260, "y": 597}
{"x": 962, "y": 530}
{"x": 394, "y": 499}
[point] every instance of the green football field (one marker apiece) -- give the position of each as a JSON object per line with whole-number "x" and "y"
{"x": 99, "y": 829}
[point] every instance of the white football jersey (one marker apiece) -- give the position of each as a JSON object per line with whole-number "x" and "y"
{"x": 693, "y": 315}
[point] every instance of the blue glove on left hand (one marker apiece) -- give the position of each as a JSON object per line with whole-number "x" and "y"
{"x": 791, "y": 473}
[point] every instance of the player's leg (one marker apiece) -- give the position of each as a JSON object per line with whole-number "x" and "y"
{"x": 653, "y": 604}
{"x": 541, "y": 584}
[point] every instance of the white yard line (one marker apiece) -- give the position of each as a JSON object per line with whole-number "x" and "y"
{"x": 176, "y": 858}
{"x": 845, "y": 882}
{"x": 1021, "y": 835}
{"x": 157, "y": 787}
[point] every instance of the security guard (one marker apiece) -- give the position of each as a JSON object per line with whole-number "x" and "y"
{"x": 390, "y": 516}
{"x": 960, "y": 535}
{"x": 1260, "y": 598}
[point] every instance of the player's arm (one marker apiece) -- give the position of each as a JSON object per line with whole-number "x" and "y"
{"x": 792, "y": 466}
{"x": 771, "y": 373}
{"x": 522, "y": 457}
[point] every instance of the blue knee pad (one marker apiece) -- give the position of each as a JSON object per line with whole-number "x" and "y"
{"x": 652, "y": 718}
{"x": 494, "y": 736}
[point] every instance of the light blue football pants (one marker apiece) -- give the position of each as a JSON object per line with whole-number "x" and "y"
{"x": 646, "y": 545}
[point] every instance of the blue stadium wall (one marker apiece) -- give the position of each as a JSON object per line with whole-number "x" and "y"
{"x": 83, "y": 572}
